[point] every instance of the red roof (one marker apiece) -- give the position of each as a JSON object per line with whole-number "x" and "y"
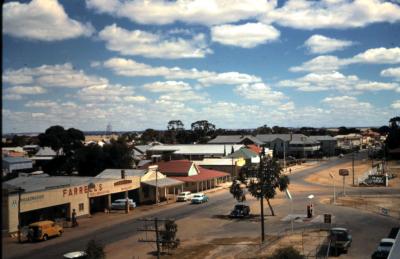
{"x": 175, "y": 167}
{"x": 254, "y": 148}
{"x": 205, "y": 174}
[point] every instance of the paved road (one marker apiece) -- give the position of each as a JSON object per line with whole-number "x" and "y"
{"x": 361, "y": 223}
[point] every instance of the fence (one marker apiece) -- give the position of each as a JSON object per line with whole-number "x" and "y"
{"x": 367, "y": 206}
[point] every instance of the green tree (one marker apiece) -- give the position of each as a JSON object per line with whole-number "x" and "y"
{"x": 90, "y": 160}
{"x": 263, "y": 130}
{"x": 286, "y": 253}
{"x": 117, "y": 154}
{"x": 237, "y": 191}
{"x": 202, "y": 130}
{"x": 149, "y": 135}
{"x": 173, "y": 128}
{"x": 95, "y": 250}
{"x": 393, "y": 138}
{"x": 168, "y": 236}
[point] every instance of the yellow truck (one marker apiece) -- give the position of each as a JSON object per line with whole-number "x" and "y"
{"x": 42, "y": 230}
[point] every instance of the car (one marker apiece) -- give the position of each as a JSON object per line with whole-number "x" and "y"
{"x": 380, "y": 255}
{"x": 240, "y": 211}
{"x": 199, "y": 198}
{"x": 340, "y": 240}
{"x": 75, "y": 255}
{"x": 43, "y": 230}
{"x": 341, "y": 155}
{"x": 385, "y": 244}
{"x": 121, "y": 203}
{"x": 184, "y": 196}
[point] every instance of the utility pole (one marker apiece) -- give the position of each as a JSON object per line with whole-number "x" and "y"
{"x": 262, "y": 197}
{"x": 20, "y": 190}
{"x": 352, "y": 166}
{"x": 157, "y": 237}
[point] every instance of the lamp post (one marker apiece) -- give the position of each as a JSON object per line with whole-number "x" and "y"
{"x": 334, "y": 188}
{"x": 310, "y": 197}
{"x": 90, "y": 187}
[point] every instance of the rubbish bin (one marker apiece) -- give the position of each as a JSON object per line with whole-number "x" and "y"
{"x": 327, "y": 218}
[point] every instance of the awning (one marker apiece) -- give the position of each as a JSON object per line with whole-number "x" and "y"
{"x": 164, "y": 182}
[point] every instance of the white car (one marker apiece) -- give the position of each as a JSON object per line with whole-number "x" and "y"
{"x": 75, "y": 255}
{"x": 386, "y": 244}
{"x": 184, "y": 196}
{"x": 121, "y": 203}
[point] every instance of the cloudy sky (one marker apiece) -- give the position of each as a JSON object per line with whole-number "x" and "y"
{"x": 238, "y": 64}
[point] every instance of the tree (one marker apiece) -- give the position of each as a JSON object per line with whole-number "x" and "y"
{"x": 95, "y": 250}
{"x": 173, "y": 127}
{"x": 168, "y": 236}
{"x": 286, "y": 253}
{"x": 263, "y": 130}
{"x": 117, "y": 154}
{"x": 202, "y": 129}
{"x": 393, "y": 138}
{"x": 237, "y": 191}
{"x": 280, "y": 130}
{"x": 149, "y": 135}
{"x": 90, "y": 160}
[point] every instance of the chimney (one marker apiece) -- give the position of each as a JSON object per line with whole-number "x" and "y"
{"x": 123, "y": 174}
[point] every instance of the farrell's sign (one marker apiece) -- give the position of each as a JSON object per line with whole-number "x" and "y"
{"x": 81, "y": 190}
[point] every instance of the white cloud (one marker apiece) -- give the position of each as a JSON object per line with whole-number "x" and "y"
{"x": 31, "y": 90}
{"x": 64, "y": 75}
{"x": 129, "y": 67}
{"x": 167, "y": 86}
{"x": 289, "y": 106}
{"x": 309, "y": 15}
{"x": 152, "y": 45}
{"x": 370, "y": 56}
{"x": 12, "y": 97}
{"x": 335, "y": 81}
{"x": 319, "y": 44}
{"x": 395, "y": 105}
{"x": 228, "y": 78}
{"x": 105, "y": 92}
{"x": 43, "y": 20}
{"x": 185, "y": 96}
{"x": 392, "y": 72}
{"x": 206, "y": 12}
{"x": 135, "y": 99}
{"x": 347, "y": 103}
{"x": 260, "y": 92}
{"x": 41, "y": 104}
{"x": 246, "y": 35}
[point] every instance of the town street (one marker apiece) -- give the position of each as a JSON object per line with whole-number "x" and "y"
{"x": 202, "y": 223}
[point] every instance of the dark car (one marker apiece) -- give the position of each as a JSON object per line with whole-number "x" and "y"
{"x": 340, "y": 240}
{"x": 380, "y": 255}
{"x": 240, "y": 211}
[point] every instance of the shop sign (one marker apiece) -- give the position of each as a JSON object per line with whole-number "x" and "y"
{"x": 343, "y": 172}
{"x": 73, "y": 191}
{"x": 122, "y": 182}
{"x": 32, "y": 198}
{"x": 377, "y": 179}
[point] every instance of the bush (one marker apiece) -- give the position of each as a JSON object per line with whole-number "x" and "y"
{"x": 286, "y": 253}
{"x": 95, "y": 250}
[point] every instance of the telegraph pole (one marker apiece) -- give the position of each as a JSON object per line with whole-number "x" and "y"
{"x": 262, "y": 196}
{"x": 352, "y": 166}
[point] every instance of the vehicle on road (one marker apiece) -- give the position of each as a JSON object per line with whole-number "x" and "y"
{"x": 184, "y": 196}
{"x": 121, "y": 203}
{"x": 340, "y": 240}
{"x": 43, "y": 230}
{"x": 341, "y": 155}
{"x": 240, "y": 211}
{"x": 384, "y": 247}
{"x": 199, "y": 198}
{"x": 75, "y": 255}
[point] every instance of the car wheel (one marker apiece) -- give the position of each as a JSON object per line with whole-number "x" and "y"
{"x": 45, "y": 237}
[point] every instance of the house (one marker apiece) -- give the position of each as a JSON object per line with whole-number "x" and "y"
{"x": 236, "y": 139}
{"x": 196, "y": 178}
{"x": 16, "y": 164}
{"x": 349, "y": 141}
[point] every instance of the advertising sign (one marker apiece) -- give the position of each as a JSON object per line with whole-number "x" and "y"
{"x": 343, "y": 172}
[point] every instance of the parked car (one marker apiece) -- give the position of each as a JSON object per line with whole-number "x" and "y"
{"x": 340, "y": 240}
{"x": 43, "y": 230}
{"x": 121, "y": 203}
{"x": 341, "y": 155}
{"x": 75, "y": 255}
{"x": 383, "y": 249}
{"x": 184, "y": 196}
{"x": 240, "y": 211}
{"x": 199, "y": 198}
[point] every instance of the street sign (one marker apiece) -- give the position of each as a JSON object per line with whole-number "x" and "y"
{"x": 343, "y": 172}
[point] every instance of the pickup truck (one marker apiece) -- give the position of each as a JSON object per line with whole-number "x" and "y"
{"x": 340, "y": 240}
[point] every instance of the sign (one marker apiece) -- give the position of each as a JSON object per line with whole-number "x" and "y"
{"x": 343, "y": 172}
{"x": 32, "y": 198}
{"x": 122, "y": 182}
{"x": 288, "y": 195}
{"x": 377, "y": 180}
{"x": 385, "y": 211}
{"x": 81, "y": 190}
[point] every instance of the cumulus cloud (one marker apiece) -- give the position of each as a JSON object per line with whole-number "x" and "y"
{"x": 260, "y": 92}
{"x": 184, "y": 96}
{"x": 43, "y": 20}
{"x": 319, "y": 44}
{"x": 347, "y": 103}
{"x": 167, "y": 86}
{"x": 12, "y": 97}
{"x": 64, "y": 75}
{"x": 30, "y": 90}
{"x": 330, "y": 63}
{"x": 392, "y": 72}
{"x": 205, "y": 12}
{"x": 105, "y": 92}
{"x": 152, "y": 45}
{"x": 395, "y": 105}
{"x": 129, "y": 67}
{"x": 324, "y": 81}
{"x": 340, "y": 14}
{"x": 41, "y": 104}
{"x": 246, "y": 35}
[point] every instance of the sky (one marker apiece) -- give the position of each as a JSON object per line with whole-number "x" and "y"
{"x": 236, "y": 63}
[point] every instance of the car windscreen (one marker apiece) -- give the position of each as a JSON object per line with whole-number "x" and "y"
{"x": 386, "y": 244}
{"x": 197, "y": 196}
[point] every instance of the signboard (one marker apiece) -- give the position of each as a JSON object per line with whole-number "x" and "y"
{"x": 377, "y": 180}
{"x": 343, "y": 172}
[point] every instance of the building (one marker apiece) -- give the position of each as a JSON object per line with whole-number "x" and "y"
{"x": 328, "y": 144}
{"x": 236, "y": 139}
{"x": 16, "y": 164}
{"x": 349, "y": 141}
{"x": 191, "y": 151}
{"x": 196, "y": 178}
{"x": 43, "y": 197}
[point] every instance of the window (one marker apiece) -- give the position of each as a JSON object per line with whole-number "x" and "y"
{"x": 81, "y": 207}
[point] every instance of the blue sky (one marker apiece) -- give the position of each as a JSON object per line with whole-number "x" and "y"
{"x": 237, "y": 64}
